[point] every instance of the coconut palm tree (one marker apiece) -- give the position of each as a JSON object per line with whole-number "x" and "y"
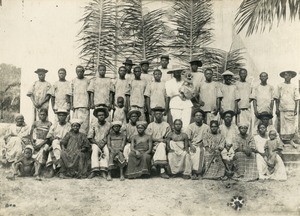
{"x": 98, "y": 34}
{"x": 141, "y": 31}
{"x": 192, "y": 19}
{"x": 257, "y": 15}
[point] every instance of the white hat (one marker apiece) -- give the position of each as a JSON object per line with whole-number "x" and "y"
{"x": 228, "y": 73}
{"x": 75, "y": 120}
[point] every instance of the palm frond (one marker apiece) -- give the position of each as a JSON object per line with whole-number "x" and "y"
{"x": 221, "y": 60}
{"x": 192, "y": 18}
{"x": 97, "y": 35}
{"x": 257, "y": 15}
{"x": 141, "y": 31}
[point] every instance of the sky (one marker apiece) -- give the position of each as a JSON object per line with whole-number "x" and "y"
{"x": 43, "y": 34}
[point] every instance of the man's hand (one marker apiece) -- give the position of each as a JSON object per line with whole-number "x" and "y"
{"x": 138, "y": 154}
{"x": 193, "y": 149}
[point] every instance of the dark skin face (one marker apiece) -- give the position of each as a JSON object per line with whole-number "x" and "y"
{"x": 177, "y": 75}
{"x": 20, "y": 122}
{"x": 137, "y": 73}
{"x": 116, "y": 128}
{"x": 75, "y": 127}
{"x": 214, "y": 128}
{"x": 122, "y": 73}
{"x": 80, "y": 73}
{"x": 27, "y": 153}
{"x": 134, "y": 117}
{"x": 42, "y": 116}
{"x": 243, "y": 130}
{"x": 265, "y": 121}
{"x": 243, "y": 75}
{"x": 263, "y": 77}
{"x": 158, "y": 116}
{"x": 177, "y": 126}
{"x": 102, "y": 71}
{"x": 62, "y": 75}
{"x": 62, "y": 117}
{"x": 120, "y": 103}
{"x": 227, "y": 79}
{"x": 208, "y": 75}
{"x": 41, "y": 76}
{"x": 164, "y": 62}
{"x": 157, "y": 76}
{"x": 227, "y": 119}
{"x": 100, "y": 116}
{"x": 262, "y": 129}
{"x": 128, "y": 68}
{"x": 140, "y": 129}
{"x": 194, "y": 66}
{"x": 287, "y": 77}
{"x": 198, "y": 118}
{"x": 145, "y": 68}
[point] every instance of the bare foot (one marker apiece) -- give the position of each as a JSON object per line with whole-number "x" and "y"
{"x": 38, "y": 178}
{"x": 122, "y": 178}
{"x": 293, "y": 144}
{"x": 109, "y": 178}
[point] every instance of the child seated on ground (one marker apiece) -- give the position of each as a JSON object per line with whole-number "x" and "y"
{"x": 25, "y": 165}
{"x": 115, "y": 143}
{"x": 227, "y": 155}
{"x": 272, "y": 148}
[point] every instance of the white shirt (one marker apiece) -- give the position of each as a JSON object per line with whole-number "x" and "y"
{"x": 172, "y": 90}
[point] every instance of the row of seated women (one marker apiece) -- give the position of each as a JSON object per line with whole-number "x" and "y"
{"x": 139, "y": 150}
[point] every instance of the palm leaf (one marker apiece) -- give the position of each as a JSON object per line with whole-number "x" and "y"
{"x": 97, "y": 35}
{"x": 141, "y": 31}
{"x": 192, "y": 19}
{"x": 221, "y": 60}
{"x": 257, "y": 15}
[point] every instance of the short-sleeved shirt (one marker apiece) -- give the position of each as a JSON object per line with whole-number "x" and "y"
{"x": 172, "y": 90}
{"x": 164, "y": 76}
{"x": 244, "y": 90}
{"x": 57, "y": 130}
{"x": 209, "y": 92}
{"x": 79, "y": 92}
{"x": 99, "y": 132}
{"x": 156, "y": 91}
{"x": 158, "y": 130}
{"x": 229, "y": 96}
{"x": 196, "y": 133}
{"x": 121, "y": 88}
{"x": 198, "y": 79}
{"x": 129, "y": 77}
{"x": 288, "y": 94}
{"x": 137, "y": 90}
{"x": 147, "y": 77}
{"x": 101, "y": 87}
{"x": 263, "y": 94}
{"x": 39, "y": 90}
{"x": 60, "y": 92}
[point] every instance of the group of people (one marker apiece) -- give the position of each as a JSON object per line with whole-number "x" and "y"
{"x": 173, "y": 122}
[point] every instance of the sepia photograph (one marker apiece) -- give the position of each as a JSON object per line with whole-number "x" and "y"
{"x": 149, "y": 107}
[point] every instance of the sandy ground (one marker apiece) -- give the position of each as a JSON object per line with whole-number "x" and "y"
{"x": 150, "y": 197}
